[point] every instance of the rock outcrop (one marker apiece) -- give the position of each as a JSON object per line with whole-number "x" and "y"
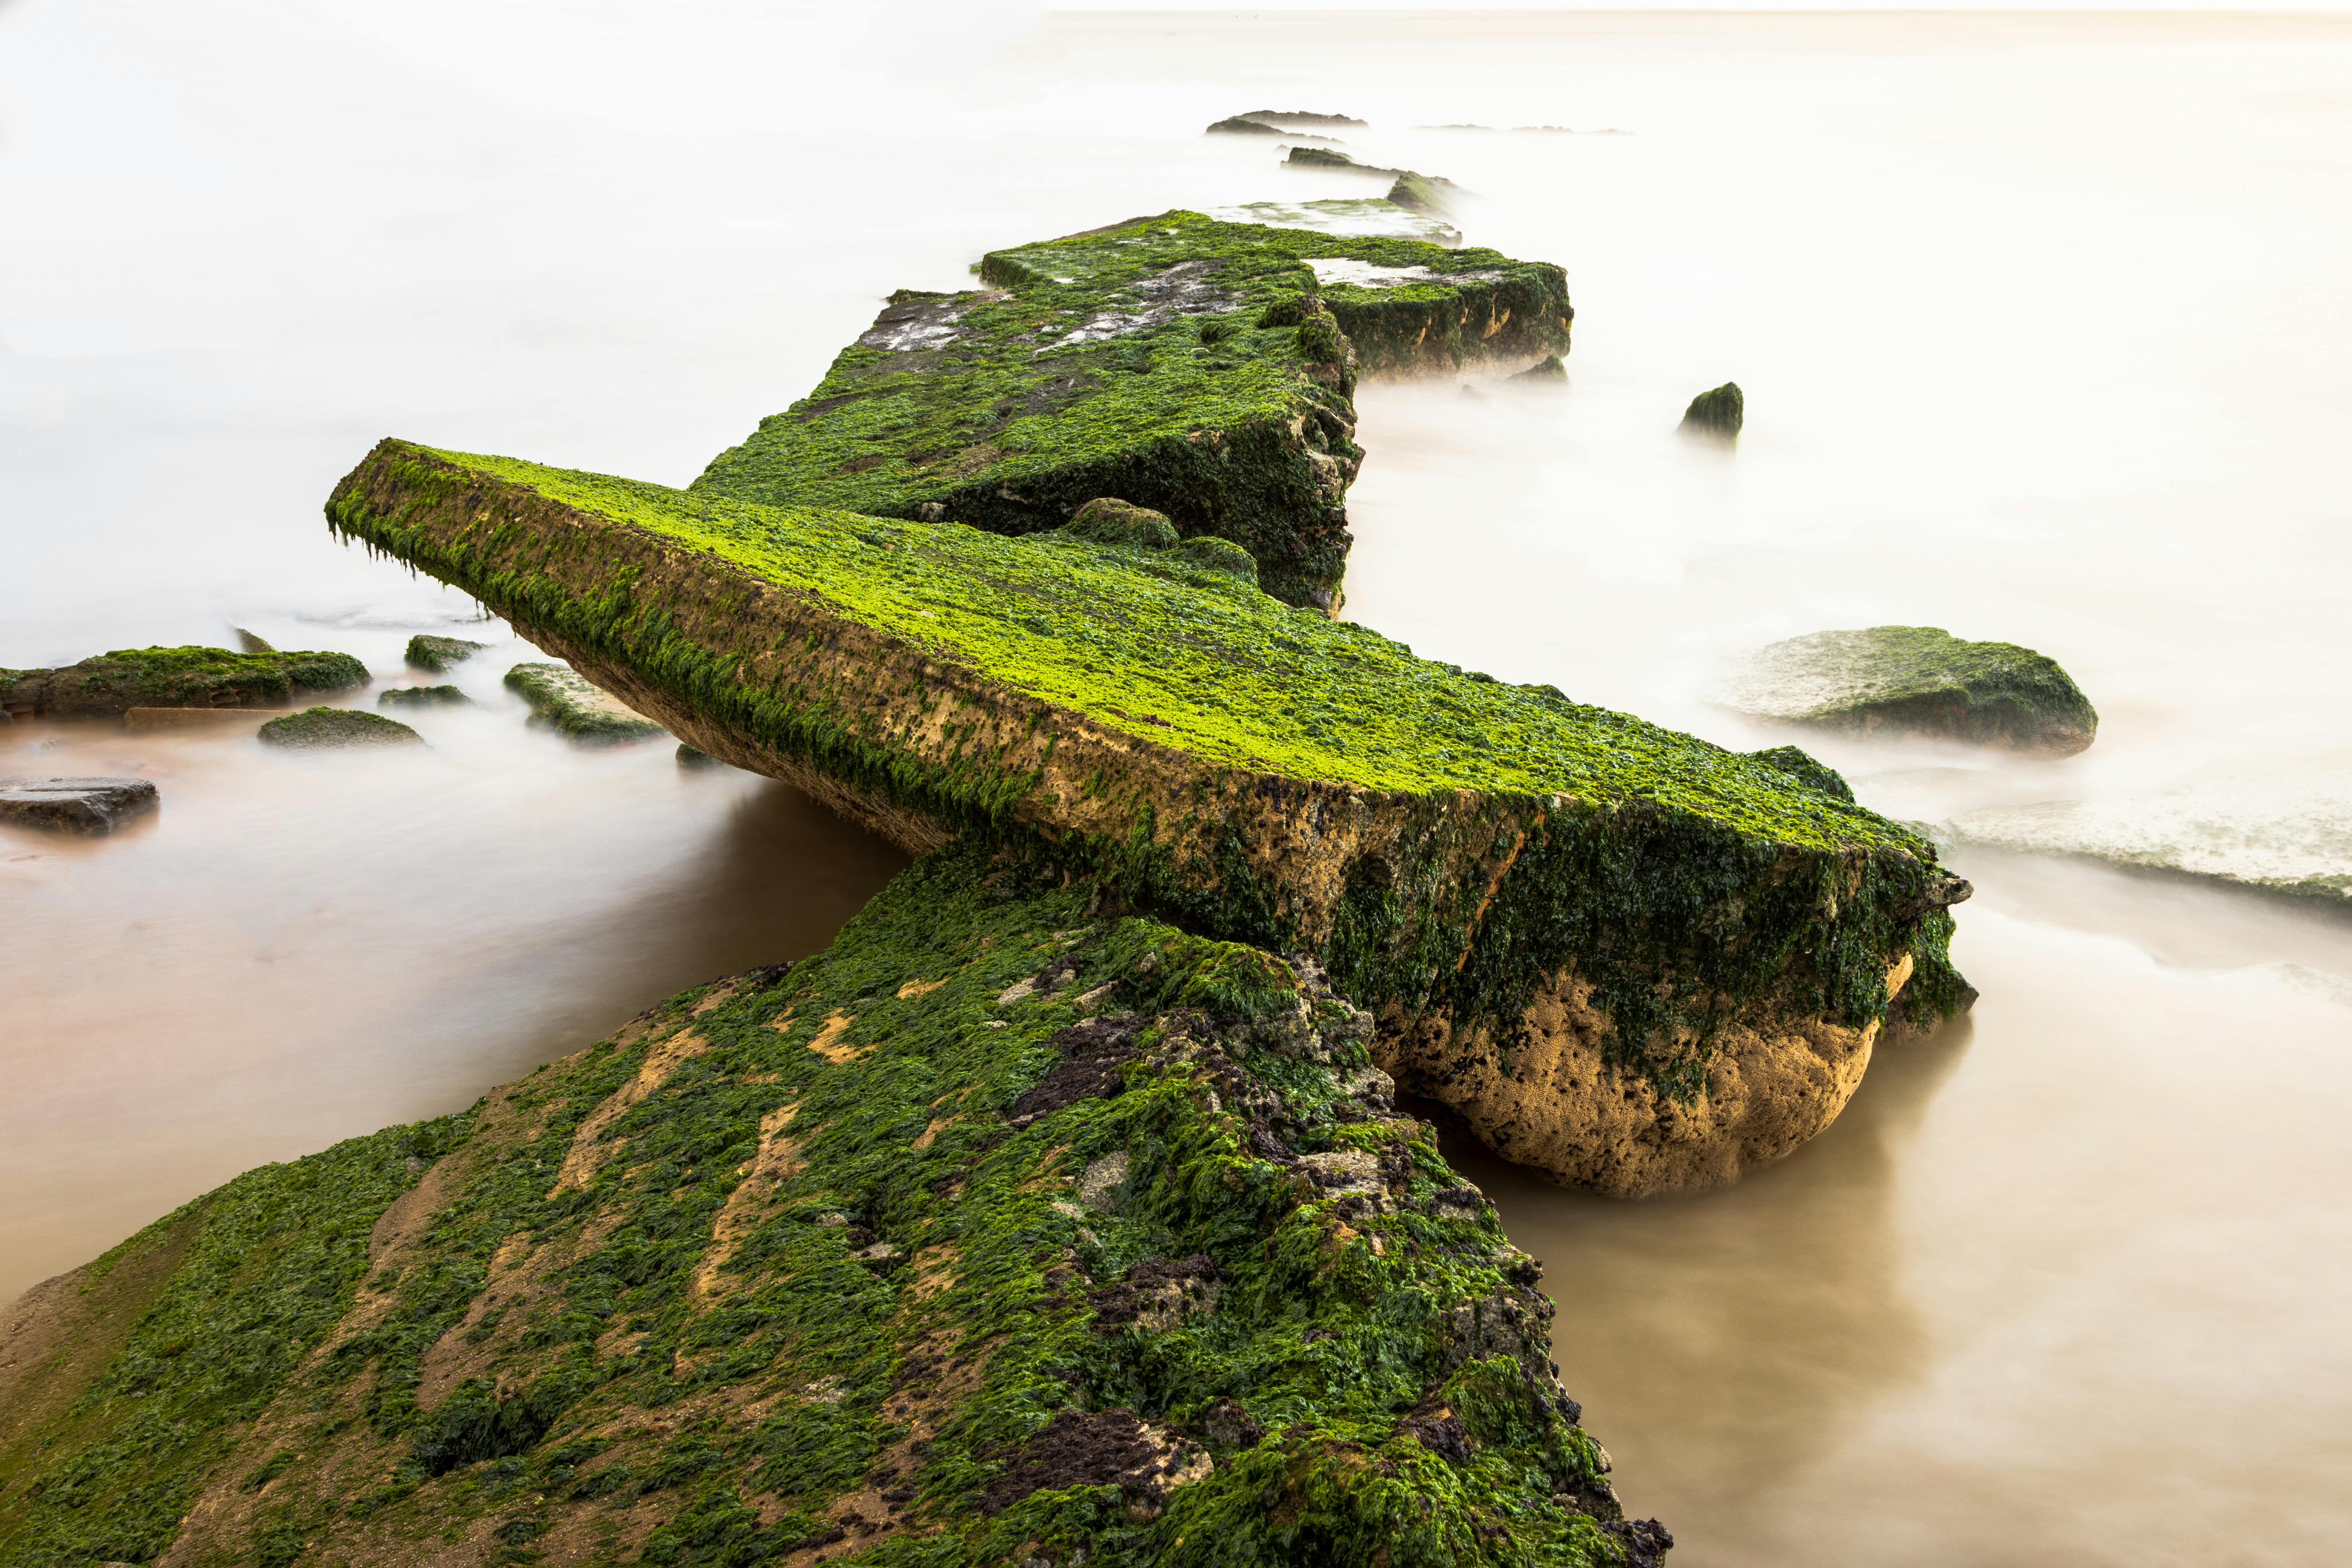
{"x": 435, "y": 655}
{"x": 109, "y": 684}
{"x": 809, "y": 1262}
{"x": 1716, "y": 416}
{"x": 1919, "y": 680}
{"x": 1198, "y": 368}
{"x": 1501, "y": 873}
{"x": 570, "y": 705}
{"x": 316, "y": 729}
{"x": 74, "y": 805}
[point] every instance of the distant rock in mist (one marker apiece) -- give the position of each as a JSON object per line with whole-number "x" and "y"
{"x": 1374, "y": 217}
{"x": 1243, "y": 125}
{"x": 1917, "y": 680}
{"x": 1717, "y": 414}
{"x": 2283, "y": 833}
{"x": 1548, "y": 371}
{"x": 1294, "y": 119}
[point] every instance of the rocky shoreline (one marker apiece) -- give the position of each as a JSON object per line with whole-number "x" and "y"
{"x": 1060, "y": 1212}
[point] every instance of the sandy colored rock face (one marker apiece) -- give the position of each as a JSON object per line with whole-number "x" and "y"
{"x": 1558, "y": 1105}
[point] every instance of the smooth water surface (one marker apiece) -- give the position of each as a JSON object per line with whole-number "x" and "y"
{"x": 2040, "y": 322}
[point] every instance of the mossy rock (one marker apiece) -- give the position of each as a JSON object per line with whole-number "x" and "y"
{"x": 1567, "y": 917}
{"x": 1802, "y": 766}
{"x": 1006, "y": 1227}
{"x": 1919, "y": 680}
{"x": 561, "y": 699}
{"x": 1425, "y": 194}
{"x": 422, "y": 697}
{"x": 1718, "y": 415}
{"x": 1373, "y": 218}
{"x": 109, "y": 684}
{"x": 1082, "y": 370}
{"x": 328, "y": 727}
{"x": 1549, "y": 371}
{"x": 1332, "y": 158}
{"x": 437, "y": 654}
{"x": 1296, "y": 118}
{"x": 1108, "y": 520}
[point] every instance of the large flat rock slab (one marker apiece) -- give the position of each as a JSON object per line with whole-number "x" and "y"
{"x": 75, "y": 805}
{"x": 112, "y": 683}
{"x": 1003, "y": 1221}
{"x": 1197, "y": 367}
{"x": 1545, "y": 902}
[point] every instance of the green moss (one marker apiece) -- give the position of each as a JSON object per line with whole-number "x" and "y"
{"x": 110, "y": 683}
{"x": 422, "y": 697}
{"x": 923, "y": 1296}
{"x": 1081, "y": 371}
{"x": 326, "y": 727}
{"x": 559, "y": 699}
{"x": 276, "y": 1257}
{"x": 437, "y": 654}
{"x": 1924, "y": 680}
{"x": 1807, "y": 769}
{"x": 1719, "y": 413}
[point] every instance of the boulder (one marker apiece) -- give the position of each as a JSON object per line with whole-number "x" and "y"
{"x": 437, "y": 654}
{"x": 1547, "y": 372}
{"x": 109, "y": 684}
{"x": 1631, "y": 960}
{"x": 1919, "y": 680}
{"x": 1716, "y": 416}
{"x": 74, "y": 805}
{"x": 422, "y": 697}
{"x": 562, "y": 700}
{"x": 320, "y": 728}
{"x": 1107, "y": 520}
{"x": 1081, "y": 370}
{"x": 811, "y": 1238}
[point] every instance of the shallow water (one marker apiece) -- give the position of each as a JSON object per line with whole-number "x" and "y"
{"x": 2040, "y": 323}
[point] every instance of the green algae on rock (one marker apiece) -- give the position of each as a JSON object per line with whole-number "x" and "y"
{"x": 1633, "y": 960}
{"x": 328, "y": 727}
{"x": 437, "y": 654}
{"x": 564, "y": 701}
{"x": 422, "y": 697}
{"x": 1717, "y": 414}
{"x": 1919, "y": 680}
{"x": 1800, "y": 763}
{"x": 1199, "y": 368}
{"x": 1003, "y": 1230}
{"x": 108, "y": 684}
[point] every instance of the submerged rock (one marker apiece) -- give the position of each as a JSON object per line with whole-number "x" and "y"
{"x": 315, "y": 728}
{"x": 1717, "y": 414}
{"x": 110, "y": 684}
{"x": 1549, "y": 371}
{"x": 74, "y": 805}
{"x": 2287, "y": 832}
{"x": 1083, "y": 370}
{"x": 1484, "y": 865}
{"x": 422, "y": 697}
{"x": 1919, "y": 680}
{"x": 565, "y": 702}
{"x": 1374, "y": 217}
{"x": 437, "y": 654}
{"x": 742, "y": 1269}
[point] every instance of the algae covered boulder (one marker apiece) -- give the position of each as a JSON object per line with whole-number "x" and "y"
{"x": 1717, "y": 414}
{"x": 112, "y": 683}
{"x": 328, "y": 728}
{"x": 1633, "y": 959}
{"x": 422, "y": 697}
{"x": 564, "y": 701}
{"x": 1919, "y": 680}
{"x": 1006, "y": 1229}
{"x": 1087, "y": 366}
{"x": 1107, "y": 521}
{"x": 437, "y": 654}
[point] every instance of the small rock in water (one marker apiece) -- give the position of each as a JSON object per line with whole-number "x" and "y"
{"x": 322, "y": 727}
{"x": 560, "y": 698}
{"x": 1549, "y": 371}
{"x": 437, "y": 654}
{"x": 422, "y": 697}
{"x": 251, "y": 642}
{"x": 2285, "y": 834}
{"x": 1919, "y": 680}
{"x": 1717, "y": 414}
{"x": 74, "y": 805}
